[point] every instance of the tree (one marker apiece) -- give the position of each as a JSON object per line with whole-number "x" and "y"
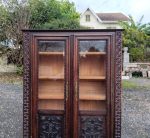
{"x": 52, "y": 14}
{"x": 16, "y": 15}
{"x": 135, "y": 38}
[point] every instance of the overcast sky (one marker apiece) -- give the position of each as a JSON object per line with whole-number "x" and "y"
{"x": 136, "y": 8}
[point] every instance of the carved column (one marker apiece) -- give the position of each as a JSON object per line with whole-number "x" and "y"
{"x": 26, "y": 88}
{"x": 118, "y": 70}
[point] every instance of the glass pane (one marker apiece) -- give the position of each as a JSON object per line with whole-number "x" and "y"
{"x": 51, "y": 75}
{"x": 52, "y": 46}
{"x": 92, "y": 75}
{"x": 92, "y": 45}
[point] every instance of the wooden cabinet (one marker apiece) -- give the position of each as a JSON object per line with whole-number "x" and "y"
{"x": 72, "y": 84}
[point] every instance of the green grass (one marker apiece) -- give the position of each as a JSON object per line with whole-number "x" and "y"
{"x": 12, "y": 78}
{"x": 127, "y": 84}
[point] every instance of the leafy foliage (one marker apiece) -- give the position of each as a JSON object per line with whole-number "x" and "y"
{"x": 137, "y": 54}
{"x": 16, "y": 15}
{"x": 136, "y": 38}
{"x": 52, "y": 14}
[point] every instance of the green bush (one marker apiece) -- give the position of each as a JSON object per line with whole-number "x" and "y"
{"x": 137, "y": 54}
{"x": 19, "y": 70}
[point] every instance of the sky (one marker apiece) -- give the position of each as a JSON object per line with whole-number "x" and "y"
{"x": 136, "y": 8}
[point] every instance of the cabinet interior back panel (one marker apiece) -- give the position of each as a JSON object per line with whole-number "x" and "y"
{"x": 51, "y": 66}
{"x": 51, "y": 104}
{"x": 92, "y": 66}
{"x": 51, "y": 88}
{"x": 94, "y": 105}
{"x": 92, "y": 90}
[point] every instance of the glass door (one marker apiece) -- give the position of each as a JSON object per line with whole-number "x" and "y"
{"x": 52, "y": 87}
{"x": 92, "y": 87}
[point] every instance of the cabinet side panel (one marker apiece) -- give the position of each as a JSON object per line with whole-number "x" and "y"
{"x": 26, "y": 86}
{"x": 118, "y": 70}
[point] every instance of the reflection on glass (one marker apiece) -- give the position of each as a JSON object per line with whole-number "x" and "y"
{"x": 51, "y": 46}
{"x": 92, "y": 45}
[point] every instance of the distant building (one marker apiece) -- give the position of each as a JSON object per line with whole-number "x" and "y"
{"x": 94, "y": 20}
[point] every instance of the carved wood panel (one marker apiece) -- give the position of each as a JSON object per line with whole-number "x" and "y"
{"x": 118, "y": 70}
{"x": 92, "y": 127}
{"x": 26, "y": 86}
{"x": 50, "y": 126}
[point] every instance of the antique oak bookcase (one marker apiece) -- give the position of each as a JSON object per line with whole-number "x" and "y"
{"x": 72, "y": 84}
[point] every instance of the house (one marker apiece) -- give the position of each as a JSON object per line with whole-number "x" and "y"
{"x": 102, "y": 20}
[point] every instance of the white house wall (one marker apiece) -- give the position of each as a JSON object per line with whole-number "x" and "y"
{"x": 112, "y": 25}
{"x": 93, "y": 20}
{"x": 94, "y": 23}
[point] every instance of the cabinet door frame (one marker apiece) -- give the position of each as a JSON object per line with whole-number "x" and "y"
{"x": 108, "y": 82}
{"x": 34, "y": 84}
{"x": 115, "y": 77}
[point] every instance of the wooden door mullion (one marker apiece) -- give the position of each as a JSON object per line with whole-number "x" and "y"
{"x": 76, "y": 91}
{"x": 68, "y": 92}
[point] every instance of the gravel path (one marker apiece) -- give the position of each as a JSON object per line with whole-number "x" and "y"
{"x": 135, "y": 112}
{"x": 10, "y": 111}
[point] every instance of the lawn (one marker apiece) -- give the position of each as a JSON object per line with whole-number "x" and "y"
{"x": 12, "y": 78}
{"x": 136, "y": 83}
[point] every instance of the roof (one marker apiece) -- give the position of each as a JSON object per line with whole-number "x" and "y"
{"x": 112, "y": 16}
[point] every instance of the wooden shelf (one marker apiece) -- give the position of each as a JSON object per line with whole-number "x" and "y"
{"x": 51, "y": 77}
{"x": 92, "y": 96}
{"x": 92, "y": 77}
{"x": 92, "y": 53}
{"x": 58, "y": 96}
{"x": 51, "y": 112}
{"x": 100, "y": 112}
{"x": 51, "y": 53}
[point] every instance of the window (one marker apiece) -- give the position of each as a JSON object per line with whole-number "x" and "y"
{"x": 87, "y": 18}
